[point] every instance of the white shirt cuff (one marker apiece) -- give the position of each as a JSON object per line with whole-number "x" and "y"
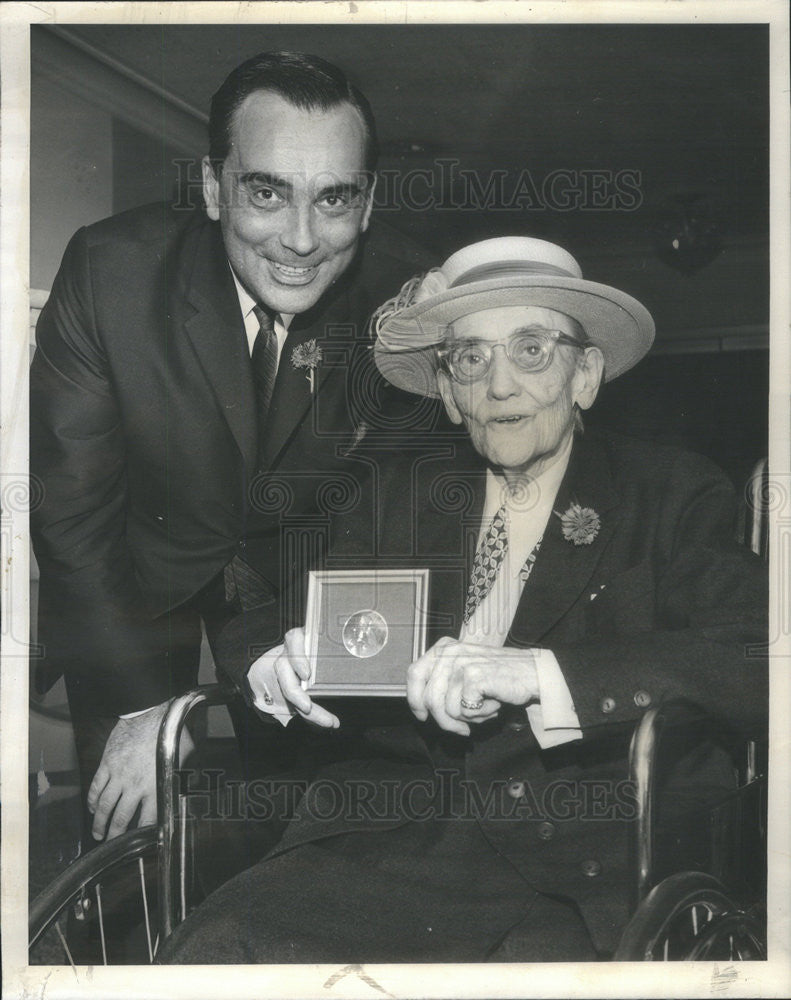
{"x": 553, "y": 718}
{"x": 279, "y": 710}
{"x": 267, "y": 696}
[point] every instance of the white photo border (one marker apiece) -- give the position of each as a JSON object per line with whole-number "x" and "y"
{"x": 772, "y": 978}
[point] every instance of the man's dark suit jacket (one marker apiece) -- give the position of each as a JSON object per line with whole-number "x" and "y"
{"x": 663, "y": 604}
{"x": 144, "y": 436}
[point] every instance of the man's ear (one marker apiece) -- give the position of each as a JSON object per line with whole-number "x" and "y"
{"x": 211, "y": 189}
{"x": 587, "y": 377}
{"x": 446, "y": 392}
{"x": 369, "y": 199}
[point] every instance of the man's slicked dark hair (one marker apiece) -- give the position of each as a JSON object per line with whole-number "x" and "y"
{"x": 304, "y": 80}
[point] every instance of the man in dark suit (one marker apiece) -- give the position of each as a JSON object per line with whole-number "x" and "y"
{"x": 575, "y": 581}
{"x": 198, "y": 381}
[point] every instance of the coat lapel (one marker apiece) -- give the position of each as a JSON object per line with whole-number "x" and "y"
{"x": 563, "y": 569}
{"x": 216, "y": 330}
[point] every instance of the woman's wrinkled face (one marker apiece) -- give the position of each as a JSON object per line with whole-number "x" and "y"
{"x": 521, "y": 421}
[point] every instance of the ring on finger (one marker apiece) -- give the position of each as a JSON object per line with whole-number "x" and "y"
{"x": 472, "y": 706}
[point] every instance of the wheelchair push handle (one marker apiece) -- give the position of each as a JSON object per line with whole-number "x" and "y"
{"x": 172, "y": 862}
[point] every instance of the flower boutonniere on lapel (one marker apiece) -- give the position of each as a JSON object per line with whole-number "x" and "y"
{"x": 580, "y": 524}
{"x": 307, "y": 355}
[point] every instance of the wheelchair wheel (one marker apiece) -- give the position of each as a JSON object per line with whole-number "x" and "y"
{"x": 102, "y": 909}
{"x": 690, "y": 917}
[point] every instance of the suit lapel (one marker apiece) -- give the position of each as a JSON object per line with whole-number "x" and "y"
{"x": 216, "y": 330}
{"x": 563, "y": 570}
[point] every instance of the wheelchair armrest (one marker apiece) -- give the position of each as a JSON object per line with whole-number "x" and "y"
{"x": 642, "y": 774}
{"x": 171, "y": 867}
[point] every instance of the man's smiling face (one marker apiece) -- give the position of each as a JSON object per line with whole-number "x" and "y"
{"x": 521, "y": 421}
{"x": 292, "y": 198}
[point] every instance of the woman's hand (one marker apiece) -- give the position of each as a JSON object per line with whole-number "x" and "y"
{"x": 453, "y": 674}
{"x": 275, "y": 680}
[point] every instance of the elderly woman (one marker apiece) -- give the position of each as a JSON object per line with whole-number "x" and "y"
{"x": 602, "y": 579}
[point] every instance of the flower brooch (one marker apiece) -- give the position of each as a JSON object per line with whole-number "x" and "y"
{"x": 307, "y": 355}
{"x": 580, "y": 524}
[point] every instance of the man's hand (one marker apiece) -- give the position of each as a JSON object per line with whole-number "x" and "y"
{"x": 126, "y": 777}
{"x": 451, "y": 671}
{"x": 275, "y": 678}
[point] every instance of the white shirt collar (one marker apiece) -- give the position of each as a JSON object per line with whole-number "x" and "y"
{"x": 248, "y": 303}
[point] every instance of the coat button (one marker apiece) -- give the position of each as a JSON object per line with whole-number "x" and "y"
{"x": 242, "y": 543}
{"x": 159, "y": 517}
{"x": 642, "y": 699}
{"x": 517, "y": 727}
{"x": 607, "y": 705}
{"x": 591, "y": 868}
{"x": 546, "y": 831}
{"x": 515, "y": 788}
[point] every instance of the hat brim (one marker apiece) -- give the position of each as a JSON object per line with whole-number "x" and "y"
{"x": 616, "y": 323}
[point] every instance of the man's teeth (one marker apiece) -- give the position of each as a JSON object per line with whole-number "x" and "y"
{"x": 286, "y": 269}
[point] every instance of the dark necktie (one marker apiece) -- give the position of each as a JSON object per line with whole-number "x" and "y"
{"x": 488, "y": 558}
{"x": 264, "y": 361}
{"x": 241, "y": 580}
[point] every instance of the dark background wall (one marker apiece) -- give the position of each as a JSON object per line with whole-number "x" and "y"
{"x": 715, "y": 404}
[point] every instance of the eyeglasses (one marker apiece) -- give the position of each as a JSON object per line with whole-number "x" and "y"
{"x": 468, "y": 361}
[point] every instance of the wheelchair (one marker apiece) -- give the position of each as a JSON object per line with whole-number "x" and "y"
{"x": 699, "y": 880}
{"x": 128, "y": 894}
